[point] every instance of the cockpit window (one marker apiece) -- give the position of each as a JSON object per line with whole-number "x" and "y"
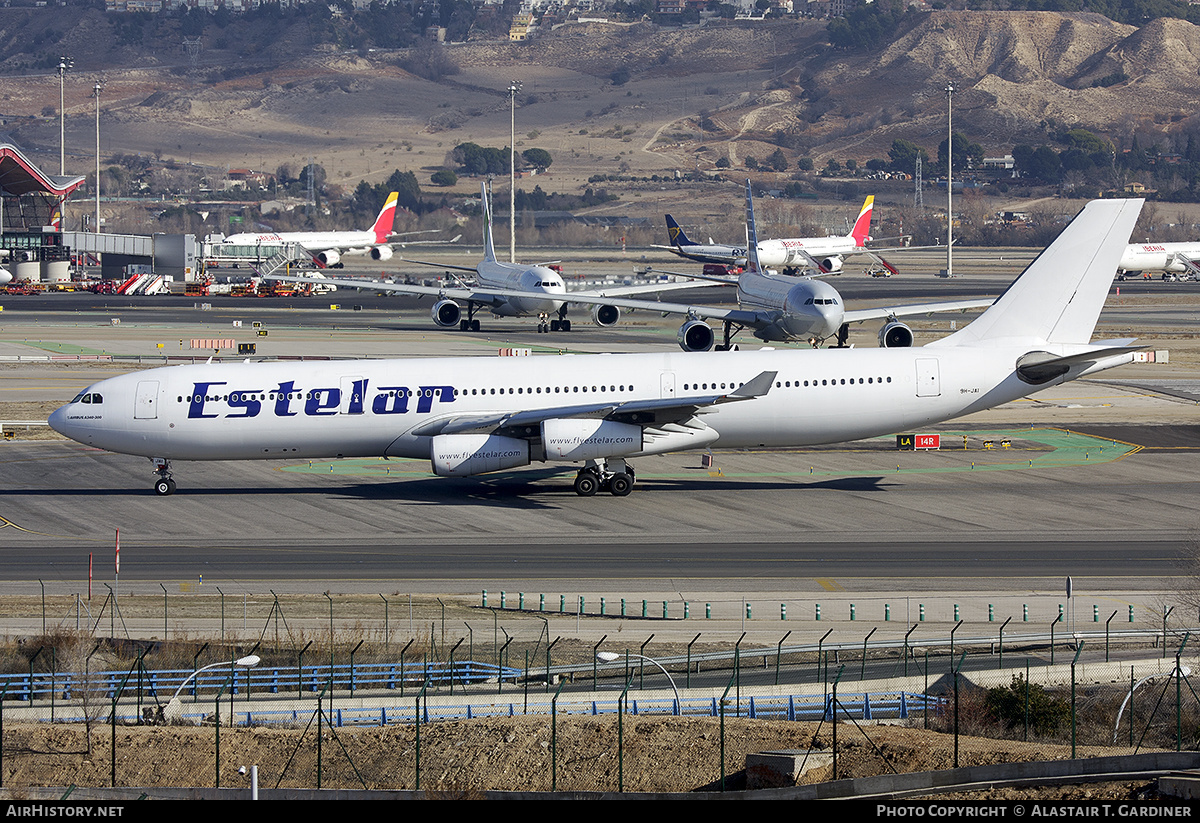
{"x": 89, "y": 398}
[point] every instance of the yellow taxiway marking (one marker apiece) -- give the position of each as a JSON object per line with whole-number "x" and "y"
{"x": 829, "y": 584}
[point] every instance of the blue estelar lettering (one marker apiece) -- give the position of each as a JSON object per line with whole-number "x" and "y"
{"x": 286, "y": 401}
{"x": 283, "y": 399}
{"x": 322, "y": 402}
{"x": 425, "y": 401}
{"x": 199, "y": 395}
{"x": 390, "y": 400}
{"x": 247, "y": 401}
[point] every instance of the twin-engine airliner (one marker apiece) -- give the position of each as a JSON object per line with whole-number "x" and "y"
{"x": 822, "y": 254}
{"x": 471, "y": 415}
{"x": 504, "y": 289}
{"x": 783, "y": 308}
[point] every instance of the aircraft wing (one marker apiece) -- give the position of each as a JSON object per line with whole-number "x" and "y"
{"x": 646, "y": 288}
{"x": 482, "y": 296}
{"x": 884, "y": 312}
{"x": 728, "y": 280}
{"x": 657, "y": 412}
{"x": 753, "y": 319}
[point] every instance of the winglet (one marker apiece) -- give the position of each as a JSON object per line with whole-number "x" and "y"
{"x": 862, "y": 226}
{"x": 489, "y": 250}
{"x": 386, "y": 219}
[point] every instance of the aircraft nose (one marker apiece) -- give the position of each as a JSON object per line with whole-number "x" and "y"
{"x": 58, "y": 420}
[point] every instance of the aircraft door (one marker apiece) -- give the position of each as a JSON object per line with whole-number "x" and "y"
{"x": 145, "y": 403}
{"x": 667, "y": 384}
{"x": 354, "y": 389}
{"x": 928, "y": 380}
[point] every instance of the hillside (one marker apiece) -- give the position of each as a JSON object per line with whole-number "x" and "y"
{"x": 261, "y": 98}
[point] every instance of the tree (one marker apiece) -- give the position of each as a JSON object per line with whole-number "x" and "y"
{"x": 538, "y": 158}
{"x": 903, "y": 155}
{"x": 443, "y": 177}
{"x": 1012, "y": 704}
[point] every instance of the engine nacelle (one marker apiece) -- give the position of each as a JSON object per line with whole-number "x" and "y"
{"x": 831, "y": 264}
{"x": 381, "y": 252}
{"x": 895, "y": 335}
{"x": 330, "y": 257}
{"x": 606, "y": 316}
{"x": 446, "y": 313}
{"x": 575, "y": 439}
{"x": 460, "y": 455}
{"x": 696, "y": 335}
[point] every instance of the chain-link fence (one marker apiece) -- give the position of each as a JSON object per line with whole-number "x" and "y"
{"x": 509, "y": 706}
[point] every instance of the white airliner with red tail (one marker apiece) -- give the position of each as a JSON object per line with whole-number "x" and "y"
{"x": 471, "y": 415}
{"x": 328, "y": 247}
{"x": 823, "y": 254}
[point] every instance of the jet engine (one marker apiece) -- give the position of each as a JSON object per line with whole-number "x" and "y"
{"x": 330, "y": 257}
{"x": 696, "y": 335}
{"x": 605, "y": 315}
{"x": 460, "y": 455}
{"x": 381, "y": 252}
{"x": 446, "y": 313}
{"x": 831, "y": 264}
{"x": 895, "y": 335}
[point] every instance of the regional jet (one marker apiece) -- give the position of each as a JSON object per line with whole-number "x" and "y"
{"x": 471, "y": 415}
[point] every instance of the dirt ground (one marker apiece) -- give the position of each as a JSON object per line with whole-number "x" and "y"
{"x": 660, "y": 754}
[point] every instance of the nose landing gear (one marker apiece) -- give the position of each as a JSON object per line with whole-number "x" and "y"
{"x": 164, "y": 485}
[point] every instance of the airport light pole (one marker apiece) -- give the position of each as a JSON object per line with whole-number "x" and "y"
{"x": 949, "y": 180}
{"x": 513, "y": 88}
{"x": 63, "y": 64}
{"x": 96, "y": 94}
{"x": 612, "y": 657}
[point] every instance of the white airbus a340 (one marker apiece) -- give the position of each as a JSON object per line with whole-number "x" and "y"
{"x": 328, "y": 247}
{"x": 473, "y": 415}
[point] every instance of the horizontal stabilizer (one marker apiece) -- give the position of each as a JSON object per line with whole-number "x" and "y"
{"x": 1041, "y": 367}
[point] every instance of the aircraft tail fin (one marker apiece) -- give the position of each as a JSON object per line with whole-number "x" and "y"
{"x": 751, "y": 232}
{"x": 489, "y": 248}
{"x": 862, "y": 226}
{"x": 386, "y": 219}
{"x": 1058, "y": 298}
{"x": 675, "y": 235}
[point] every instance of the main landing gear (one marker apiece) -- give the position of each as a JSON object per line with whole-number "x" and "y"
{"x": 545, "y": 325}
{"x": 164, "y": 485}
{"x": 614, "y": 476}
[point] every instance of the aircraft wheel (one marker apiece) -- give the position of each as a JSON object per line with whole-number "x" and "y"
{"x": 463, "y": 325}
{"x": 564, "y": 325}
{"x": 555, "y": 326}
{"x": 586, "y": 484}
{"x": 164, "y": 486}
{"x": 620, "y": 485}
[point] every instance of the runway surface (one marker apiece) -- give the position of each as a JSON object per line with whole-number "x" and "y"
{"x": 1115, "y": 506}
